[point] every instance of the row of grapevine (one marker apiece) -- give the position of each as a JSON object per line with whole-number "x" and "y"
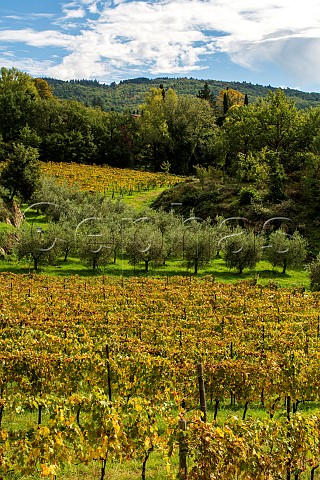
{"x": 108, "y": 180}
{"x": 108, "y": 432}
{"x": 105, "y": 367}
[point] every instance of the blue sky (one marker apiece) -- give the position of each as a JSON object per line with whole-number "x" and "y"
{"x": 274, "y": 42}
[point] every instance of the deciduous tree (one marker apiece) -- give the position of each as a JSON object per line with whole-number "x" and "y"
{"x": 21, "y": 173}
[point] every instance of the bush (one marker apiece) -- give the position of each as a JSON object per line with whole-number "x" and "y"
{"x": 247, "y": 195}
{"x": 314, "y": 274}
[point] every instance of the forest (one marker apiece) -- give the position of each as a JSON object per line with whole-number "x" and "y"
{"x": 128, "y": 95}
{"x": 257, "y": 159}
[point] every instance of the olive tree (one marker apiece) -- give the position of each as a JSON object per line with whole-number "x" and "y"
{"x": 94, "y": 242}
{"x": 286, "y": 251}
{"x": 197, "y": 242}
{"x": 146, "y": 244}
{"x": 38, "y": 245}
{"x": 242, "y": 249}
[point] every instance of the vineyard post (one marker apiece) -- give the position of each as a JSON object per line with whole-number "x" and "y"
{"x": 183, "y": 449}
{"x": 312, "y": 472}
{"x": 39, "y": 413}
{"x": 216, "y": 406}
{"x": 288, "y": 405}
{"x": 2, "y": 404}
{"x": 203, "y": 405}
{"x": 232, "y": 398}
{"x": 108, "y": 370}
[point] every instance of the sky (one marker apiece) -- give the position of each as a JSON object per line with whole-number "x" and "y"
{"x": 274, "y": 42}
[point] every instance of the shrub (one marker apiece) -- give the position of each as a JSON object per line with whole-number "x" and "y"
{"x": 314, "y": 274}
{"x": 247, "y": 195}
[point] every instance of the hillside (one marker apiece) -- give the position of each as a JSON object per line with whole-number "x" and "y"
{"x": 254, "y": 159}
{"x": 130, "y": 94}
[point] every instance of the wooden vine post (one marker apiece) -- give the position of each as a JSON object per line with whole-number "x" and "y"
{"x": 203, "y": 404}
{"x": 183, "y": 449}
{"x": 109, "y": 373}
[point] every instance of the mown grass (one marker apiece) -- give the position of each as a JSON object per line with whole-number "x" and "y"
{"x": 126, "y": 470}
{"x": 263, "y": 274}
{"x": 139, "y": 200}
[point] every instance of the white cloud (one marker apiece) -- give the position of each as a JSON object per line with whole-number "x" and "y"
{"x": 176, "y": 36}
{"x": 48, "y": 38}
{"x": 173, "y": 36}
{"x": 33, "y": 67}
{"x": 74, "y": 13}
{"x": 93, "y": 8}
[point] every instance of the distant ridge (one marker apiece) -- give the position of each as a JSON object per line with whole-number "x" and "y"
{"x": 128, "y": 95}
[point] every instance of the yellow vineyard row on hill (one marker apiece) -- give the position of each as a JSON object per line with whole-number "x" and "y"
{"x": 106, "y": 179}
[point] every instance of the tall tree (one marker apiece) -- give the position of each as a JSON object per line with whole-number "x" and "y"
{"x": 228, "y": 98}
{"x": 310, "y": 182}
{"x": 21, "y": 173}
{"x": 153, "y": 128}
{"x": 279, "y": 123}
{"x": 205, "y": 94}
{"x": 191, "y": 129}
{"x": 43, "y": 88}
{"x": 225, "y": 103}
{"x": 239, "y": 134}
{"x": 276, "y": 175}
{"x": 18, "y": 95}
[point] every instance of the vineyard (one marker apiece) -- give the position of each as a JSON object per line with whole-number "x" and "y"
{"x": 108, "y": 180}
{"x": 100, "y": 371}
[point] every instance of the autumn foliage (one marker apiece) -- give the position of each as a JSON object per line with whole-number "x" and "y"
{"x": 107, "y": 366}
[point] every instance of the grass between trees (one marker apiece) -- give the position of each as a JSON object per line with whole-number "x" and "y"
{"x": 263, "y": 274}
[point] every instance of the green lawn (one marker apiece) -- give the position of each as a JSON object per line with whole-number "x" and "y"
{"x": 139, "y": 200}
{"x": 264, "y": 273}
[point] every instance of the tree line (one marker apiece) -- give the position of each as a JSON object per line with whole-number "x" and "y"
{"x": 128, "y": 95}
{"x": 244, "y": 140}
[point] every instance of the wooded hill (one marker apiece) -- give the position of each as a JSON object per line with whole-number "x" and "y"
{"x": 258, "y": 159}
{"x": 128, "y": 95}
